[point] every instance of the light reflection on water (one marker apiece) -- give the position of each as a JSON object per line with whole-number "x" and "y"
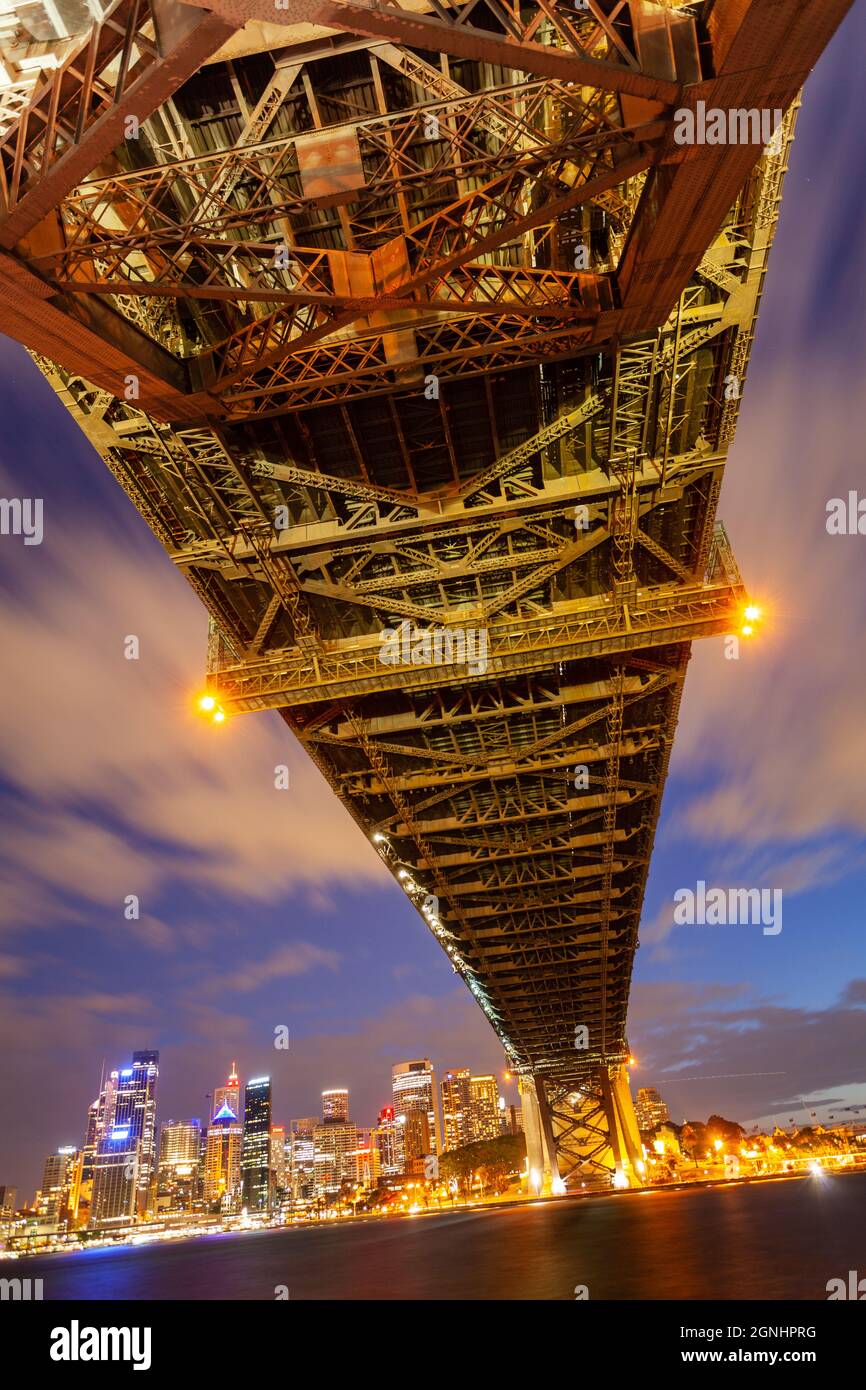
{"x": 764, "y": 1240}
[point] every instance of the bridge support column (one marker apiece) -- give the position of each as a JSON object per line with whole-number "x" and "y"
{"x": 540, "y": 1151}
{"x": 581, "y": 1135}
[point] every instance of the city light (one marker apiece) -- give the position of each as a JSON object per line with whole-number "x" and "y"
{"x": 207, "y": 703}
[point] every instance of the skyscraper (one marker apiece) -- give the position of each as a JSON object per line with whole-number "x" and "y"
{"x": 58, "y": 1180}
{"x": 455, "y": 1108}
{"x": 414, "y": 1088}
{"x": 179, "y": 1143}
{"x": 334, "y": 1146}
{"x": 649, "y": 1108}
{"x": 229, "y": 1094}
{"x": 124, "y": 1172}
{"x": 484, "y": 1107}
{"x": 390, "y": 1142}
{"x": 335, "y": 1106}
{"x": 256, "y": 1150}
{"x": 222, "y": 1162}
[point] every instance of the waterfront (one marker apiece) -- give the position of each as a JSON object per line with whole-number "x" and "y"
{"x": 773, "y": 1240}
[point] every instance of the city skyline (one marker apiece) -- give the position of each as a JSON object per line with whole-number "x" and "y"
{"x": 251, "y": 921}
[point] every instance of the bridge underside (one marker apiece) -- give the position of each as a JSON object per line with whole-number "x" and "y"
{"x": 418, "y": 341}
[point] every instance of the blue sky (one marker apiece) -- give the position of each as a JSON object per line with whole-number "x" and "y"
{"x": 261, "y": 909}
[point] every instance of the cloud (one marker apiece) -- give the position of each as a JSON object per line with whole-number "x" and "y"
{"x": 750, "y": 1056}
{"x": 116, "y": 787}
{"x": 297, "y": 959}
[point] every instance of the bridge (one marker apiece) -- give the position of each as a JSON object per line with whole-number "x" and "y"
{"x": 417, "y": 333}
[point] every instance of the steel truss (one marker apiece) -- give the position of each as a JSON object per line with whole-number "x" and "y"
{"x": 382, "y": 342}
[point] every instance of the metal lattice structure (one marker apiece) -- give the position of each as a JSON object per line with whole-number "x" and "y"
{"x": 414, "y": 317}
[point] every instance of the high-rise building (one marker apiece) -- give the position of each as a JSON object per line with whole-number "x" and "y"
{"x": 124, "y": 1172}
{"x": 179, "y": 1143}
{"x": 367, "y": 1166}
{"x": 229, "y": 1094}
{"x": 8, "y": 1199}
{"x": 414, "y": 1089}
{"x": 416, "y": 1139}
{"x": 256, "y": 1150}
{"x": 222, "y": 1161}
{"x": 649, "y": 1108}
{"x": 335, "y": 1107}
{"x": 178, "y": 1187}
{"x": 484, "y": 1107}
{"x": 334, "y": 1147}
{"x": 390, "y": 1142}
{"x": 58, "y": 1181}
{"x": 303, "y": 1158}
{"x": 278, "y": 1160}
{"x": 456, "y": 1108}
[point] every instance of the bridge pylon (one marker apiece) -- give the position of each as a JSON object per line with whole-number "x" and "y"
{"x": 581, "y": 1133}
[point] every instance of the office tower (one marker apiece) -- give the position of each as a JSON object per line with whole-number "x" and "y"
{"x": 334, "y": 1148}
{"x": 367, "y": 1166}
{"x": 484, "y": 1107}
{"x": 58, "y": 1181}
{"x": 303, "y": 1158}
{"x": 649, "y": 1108}
{"x": 229, "y": 1094}
{"x": 8, "y": 1199}
{"x": 455, "y": 1108}
{"x": 256, "y": 1150}
{"x": 180, "y": 1143}
{"x": 335, "y": 1107}
{"x": 390, "y": 1142}
{"x": 178, "y": 1187}
{"x": 222, "y": 1161}
{"x": 417, "y": 1140}
{"x": 414, "y": 1089}
{"x": 278, "y": 1160}
{"x": 124, "y": 1172}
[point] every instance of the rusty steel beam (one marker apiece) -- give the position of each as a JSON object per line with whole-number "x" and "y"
{"x": 78, "y": 116}
{"x": 461, "y": 38}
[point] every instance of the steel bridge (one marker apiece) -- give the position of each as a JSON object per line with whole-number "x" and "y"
{"x": 413, "y": 323}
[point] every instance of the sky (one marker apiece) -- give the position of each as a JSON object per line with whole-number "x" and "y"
{"x": 263, "y": 909}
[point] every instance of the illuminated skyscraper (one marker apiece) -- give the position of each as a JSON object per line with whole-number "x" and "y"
{"x": 335, "y": 1106}
{"x": 179, "y": 1187}
{"x": 229, "y": 1094}
{"x": 303, "y": 1158}
{"x": 124, "y": 1173}
{"x": 256, "y": 1150}
{"x": 278, "y": 1161}
{"x": 414, "y": 1088}
{"x": 58, "y": 1181}
{"x": 455, "y": 1108}
{"x": 334, "y": 1147}
{"x": 179, "y": 1142}
{"x": 222, "y": 1163}
{"x": 649, "y": 1108}
{"x": 390, "y": 1142}
{"x": 484, "y": 1107}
